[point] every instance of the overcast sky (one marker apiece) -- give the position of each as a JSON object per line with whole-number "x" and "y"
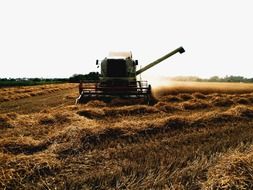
{"x": 57, "y": 38}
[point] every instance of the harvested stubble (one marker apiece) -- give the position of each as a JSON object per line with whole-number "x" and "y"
{"x": 13, "y": 93}
{"x": 27, "y": 172}
{"x": 106, "y": 146}
{"x": 4, "y": 122}
{"x": 233, "y": 170}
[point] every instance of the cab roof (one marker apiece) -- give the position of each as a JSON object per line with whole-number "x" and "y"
{"x": 120, "y": 55}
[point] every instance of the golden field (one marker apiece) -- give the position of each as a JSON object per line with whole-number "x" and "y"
{"x": 14, "y": 93}
{"x": 196, "y": 136}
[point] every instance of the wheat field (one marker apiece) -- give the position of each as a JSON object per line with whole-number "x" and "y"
{"x": 196, "y": 136}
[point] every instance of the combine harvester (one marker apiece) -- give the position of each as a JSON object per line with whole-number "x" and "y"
{"x": 118, "y": 79}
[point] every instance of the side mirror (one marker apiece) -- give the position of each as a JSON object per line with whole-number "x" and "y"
{"x": 136, "y": 62}
{"x": 96, "y": 62}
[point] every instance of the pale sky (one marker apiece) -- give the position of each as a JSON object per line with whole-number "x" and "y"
{"x": 57, "y": 38}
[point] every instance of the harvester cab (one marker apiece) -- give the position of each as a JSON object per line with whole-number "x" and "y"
{"x": 118, "y": 69}
{"x": 118, "y": 78}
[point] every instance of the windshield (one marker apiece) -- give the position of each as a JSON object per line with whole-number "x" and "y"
{"x": 116, "y": 68}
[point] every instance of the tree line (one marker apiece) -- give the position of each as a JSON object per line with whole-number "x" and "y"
{"x": 94, "y": 76}
{"x": 9, "y": 82}
{"x": 76, "y": 78}
{"x": 213, "y": 79}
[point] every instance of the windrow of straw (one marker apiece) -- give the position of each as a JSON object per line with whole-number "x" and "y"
{"x": 201, "y": 101}
{"x": 26, "y": 172}
{"x": 195, "y": 104}
{"x": 25, "y": 145}
{"x": 98, "y": 113}
{"x": 15, "y": 93}
{"x": 96, "y": 135}
{"x": 234, "y": 114}
{"x": 77, "y": 138}
{"x": 56, "y": 118}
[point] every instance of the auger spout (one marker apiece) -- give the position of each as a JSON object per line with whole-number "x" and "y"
{"x": 178, "y": 50}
